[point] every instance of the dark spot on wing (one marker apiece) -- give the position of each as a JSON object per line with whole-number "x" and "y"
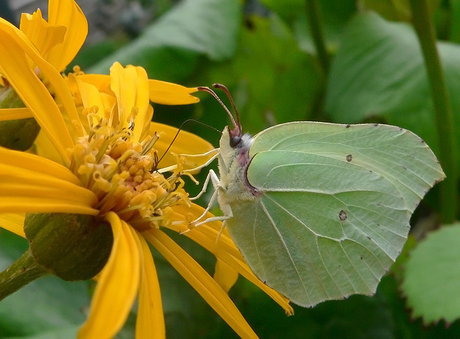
{"x": 349, "y": 157}
{"x": 343, "y": 215}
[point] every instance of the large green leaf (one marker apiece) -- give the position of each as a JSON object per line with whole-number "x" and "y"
{"x": 333, "y": 17}
{"x": 379, "y": 72}
{"x": 432, "y": 278}
{"x": 169, "y": 49}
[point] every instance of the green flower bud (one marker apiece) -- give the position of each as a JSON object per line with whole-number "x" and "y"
{"x": 16, "y": 134}
{"x": 71, "y": 246}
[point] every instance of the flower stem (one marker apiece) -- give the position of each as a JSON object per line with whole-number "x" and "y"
{"x": 20, "y": 273}
{"x": 313, "y": 17}
{"x": 443, "y": 111}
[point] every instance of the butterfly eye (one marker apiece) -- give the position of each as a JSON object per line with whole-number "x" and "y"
{"x": 235, "y": 141}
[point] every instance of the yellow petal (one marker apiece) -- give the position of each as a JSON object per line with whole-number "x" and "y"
{"x": 67, "y": 13}
{"x": 36, "y": 164}
{"x": 147, "y": 122}
{"x": 101, "y": 81}
{"x": 13, "y": 222}
{"x": 33, "y": 184}
{"x": 15, "y": 113}
{"x": 185, "y": 143}
{"x": 144, "y": 116}
{"x": 117, "y": 285}
{"x": 91, "y": 97}
{"x": 45, "y": 148}
{"x": 167, "y": 93}
{"x": 130, "y": 86}
{"x": 201, "y": 281}
{"x": 14, "y": 66}
{"x": 41, "y": 205}
{"x": 150, "y": 318}
{"x": 225, "y": 275}
{"x": 224, "y": 249}
{"x": 43, "y": 35}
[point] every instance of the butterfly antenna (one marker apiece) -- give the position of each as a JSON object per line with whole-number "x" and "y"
{"x": 210, "y": 91}
{"x": 177, "y": 134}
{"x": 229, "y": 96}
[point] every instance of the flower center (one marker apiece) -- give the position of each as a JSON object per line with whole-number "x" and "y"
{"x": 124, "y": 176}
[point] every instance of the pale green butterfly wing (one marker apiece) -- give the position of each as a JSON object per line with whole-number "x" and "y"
{"x": 334, "y": 208}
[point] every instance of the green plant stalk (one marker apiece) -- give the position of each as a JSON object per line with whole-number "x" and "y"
{"x": 20, "y": 273}
{"x": 443, "y": 111}
{"x": 314, "y": 20}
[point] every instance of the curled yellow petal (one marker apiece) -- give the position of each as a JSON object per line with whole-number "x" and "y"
{"x": 43, "y": 35}
{"x": 66, "y": 13}
{"x": 225, "y": 275}
{"x": 167, "y": 93}
{"x": 117, "y": 285}
{"x": 201, "y": 281}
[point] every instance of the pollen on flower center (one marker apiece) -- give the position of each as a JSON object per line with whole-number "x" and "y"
{"x": 123, "y": 174}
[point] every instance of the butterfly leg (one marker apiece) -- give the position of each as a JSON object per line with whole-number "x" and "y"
{"x": 216, "y": 184}
{"x": 211, "y": 176}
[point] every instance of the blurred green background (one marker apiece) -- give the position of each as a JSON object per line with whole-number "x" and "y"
{"x": 264, "y": 52}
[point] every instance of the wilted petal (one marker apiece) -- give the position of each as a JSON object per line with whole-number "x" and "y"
{"x": 117, "y": 285}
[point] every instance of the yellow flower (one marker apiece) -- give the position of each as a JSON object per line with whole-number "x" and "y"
{"x": 105, "y": 165}
{"x": 57, "y": 41}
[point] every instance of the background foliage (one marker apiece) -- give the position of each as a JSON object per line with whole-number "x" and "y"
{"x": 371, "y": 69}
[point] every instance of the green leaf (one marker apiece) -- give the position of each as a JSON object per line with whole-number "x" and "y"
{"x": 174, "y": 42}
{"x": 334, "y": 15}
{"x": 69, "y": 332}
{"x": 432, "y": 278}
{"x": 271, "y": 79}
{"x": 47, "y": 304}
{"x": 379, "y": 72}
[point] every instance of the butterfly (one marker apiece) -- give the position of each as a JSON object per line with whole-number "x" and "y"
{"x": 320, "y": 211}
